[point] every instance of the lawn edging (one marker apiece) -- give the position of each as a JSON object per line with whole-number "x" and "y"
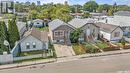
{"x": 104, "y": 54}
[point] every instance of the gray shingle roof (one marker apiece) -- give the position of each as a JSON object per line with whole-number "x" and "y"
{"x": 77, "y": 23}
{"x": 106, "y": 27}
{"x": 56, "y": 23}
{"x": 40, "y": 35}
{"x": 122, "y": 13}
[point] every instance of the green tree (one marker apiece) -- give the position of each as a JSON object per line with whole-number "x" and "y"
{"x": 74, "y": 36}
{"x": 86, "y": 15}
{"x": 105, "y": 7}
{"x": 13, "y": 32}
{"x": 110, "y": 12}
{"x": 3, "y": 37}
{"x": 90, "y": 6}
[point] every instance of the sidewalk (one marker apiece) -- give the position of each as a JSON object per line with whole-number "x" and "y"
{"x": 29, "y": 63}
{"x": 63, "y": 59}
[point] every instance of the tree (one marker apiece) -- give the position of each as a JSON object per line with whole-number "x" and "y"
{"x": 103, "y": 7}
{"x": 86, "y": 15}
{"x": 13, "y": 32}
{"x": 110, "y": 12}
{"x": 74, "y": 36}
{"x": 3, "y": 37}
{"x": 90, "y": 6}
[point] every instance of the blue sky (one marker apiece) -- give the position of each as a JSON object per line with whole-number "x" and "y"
{"x": 126, "y": 2}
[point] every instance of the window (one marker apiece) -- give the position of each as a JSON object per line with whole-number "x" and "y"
{"x": 34, "y": 45}
{"x": 27, "y": 45}
{"x": 59, "y": 33}
{"x": 38, "y": 23}
{"x": 117, "y": 34}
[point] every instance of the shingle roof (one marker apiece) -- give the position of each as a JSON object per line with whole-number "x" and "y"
{"x": 122, "y": 13}
{"x": 40, "y": 35}
{"x": 106, "y": 27}
{"x": 56, "y": 23}
{"x": 77, "y": 23}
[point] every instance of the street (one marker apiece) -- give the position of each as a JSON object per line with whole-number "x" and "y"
{"x": 104, "y": 64}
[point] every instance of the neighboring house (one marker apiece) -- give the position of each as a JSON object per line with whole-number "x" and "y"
{"x": 110, "y": 32}
{"x": 34, "y": 40}
{"x": 120, "y": 18}
{"x": 60, "y": 31}
{"x": 38, "y": 23}
{"x": 90, "y": 30}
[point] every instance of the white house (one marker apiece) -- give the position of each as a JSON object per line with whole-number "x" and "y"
{"x": 34, "y": 40}
{"x": 120, "y": 18}
{"x": 38, "y": 23}
{"x": 110, "y": 32}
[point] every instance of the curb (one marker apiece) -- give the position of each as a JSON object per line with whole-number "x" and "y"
{"x": 17, "y": 66}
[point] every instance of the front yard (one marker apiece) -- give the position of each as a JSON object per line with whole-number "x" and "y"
{"x": 78, "y": 49}
{"x": 95, "y": 47}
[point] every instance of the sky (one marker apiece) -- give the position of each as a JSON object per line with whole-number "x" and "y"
{"x": 81, "y": 2}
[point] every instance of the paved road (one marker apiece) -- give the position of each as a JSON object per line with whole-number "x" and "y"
{"x": 104, "y": 64}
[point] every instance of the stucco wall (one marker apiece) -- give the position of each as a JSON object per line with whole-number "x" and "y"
{"x": 90, "y": 27}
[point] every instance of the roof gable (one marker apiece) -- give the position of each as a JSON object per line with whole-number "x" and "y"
{"x": 40, "y": 35}
{"x": 57, "y": 23}
{"x": 78, "y": 23}
{"x": 107, "y": 27}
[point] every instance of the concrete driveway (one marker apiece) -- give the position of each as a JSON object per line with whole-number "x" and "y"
{"x": 63, "y": 50}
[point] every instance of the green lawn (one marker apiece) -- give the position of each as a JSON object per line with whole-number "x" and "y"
{"x": 102, "y": 45}
{"x": 78, "y": 49}
{"x": 43, "y": 29}
{"x": 30, "y": 53}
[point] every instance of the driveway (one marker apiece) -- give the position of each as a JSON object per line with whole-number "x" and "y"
{"x": 63, "y": 50}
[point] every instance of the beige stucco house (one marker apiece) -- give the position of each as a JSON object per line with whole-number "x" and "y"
{"x": 90, "y": 30}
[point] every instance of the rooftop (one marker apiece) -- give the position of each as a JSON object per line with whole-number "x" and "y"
{"x": 122, "y": 13}
{"x": 40, "y": 35}
{"x": 77, "y": 23}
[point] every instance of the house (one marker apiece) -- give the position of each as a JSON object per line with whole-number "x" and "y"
{"x": 120, "y": 18}
{"x": 110, "y": 32}
{"x": 34, "y": 40}
{"x": 90, "y": 30}
{"x": 38, "y": 23}
{"x": 60, "y": 31}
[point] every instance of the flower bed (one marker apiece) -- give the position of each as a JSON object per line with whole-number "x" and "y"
{"x": 91, "y": 48}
